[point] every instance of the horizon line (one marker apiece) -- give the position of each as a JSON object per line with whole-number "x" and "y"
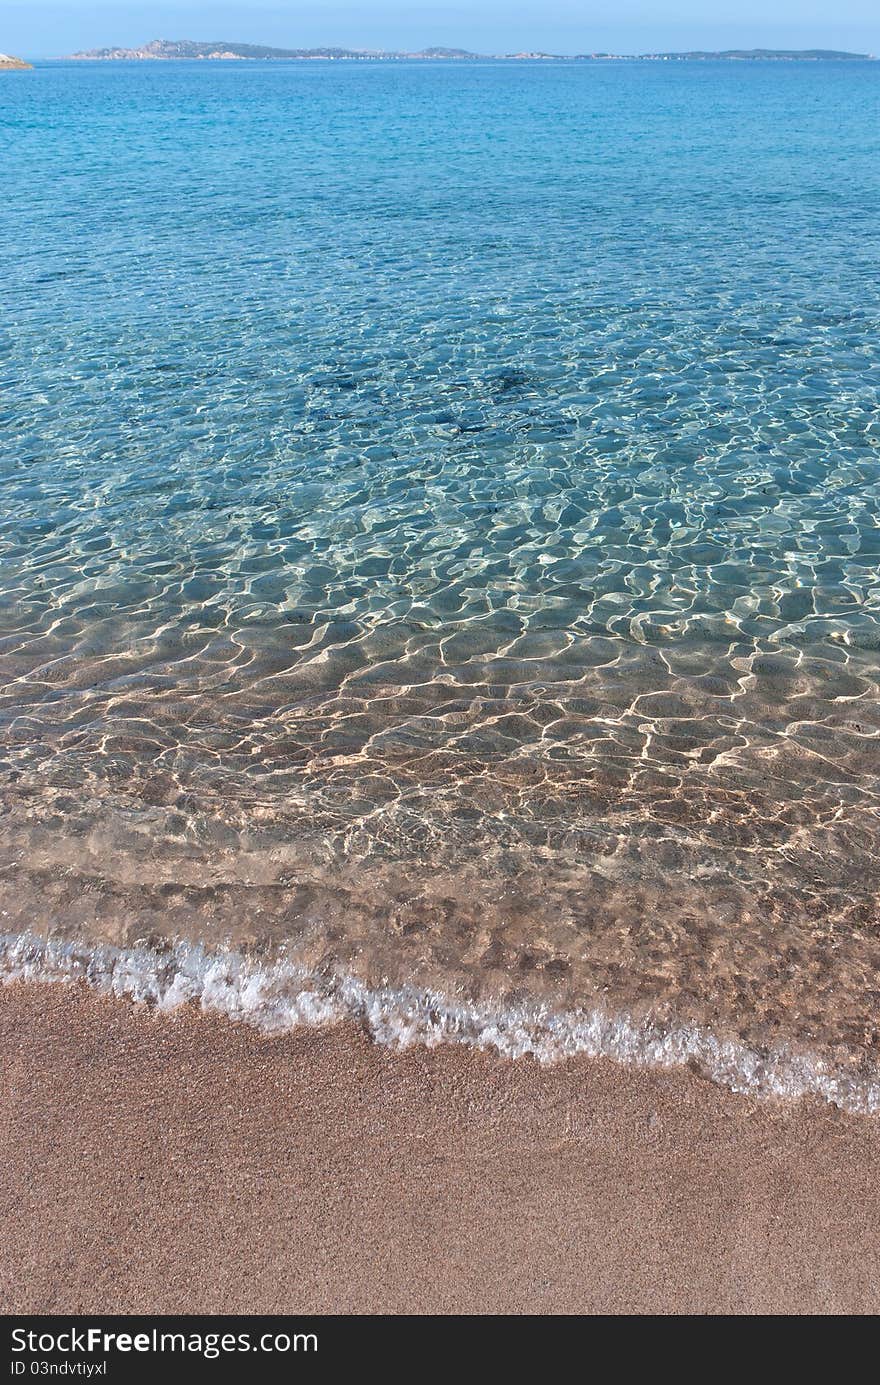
{"x": 336, "y": 51}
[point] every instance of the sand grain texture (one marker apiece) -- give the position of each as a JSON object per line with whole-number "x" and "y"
{"x": 184, "y": 1164}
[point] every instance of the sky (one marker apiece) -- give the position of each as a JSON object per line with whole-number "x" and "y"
{"x": 50, "y": 28}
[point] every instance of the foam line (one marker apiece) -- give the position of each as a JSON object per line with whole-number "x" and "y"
{"x": 281, "y": 996}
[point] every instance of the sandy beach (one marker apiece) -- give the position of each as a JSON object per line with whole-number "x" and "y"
{"x": 439, "y": 629}
{"x": 185, "y": 1164}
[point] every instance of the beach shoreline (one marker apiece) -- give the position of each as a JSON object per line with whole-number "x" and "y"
{"x": 184, "y": 1163}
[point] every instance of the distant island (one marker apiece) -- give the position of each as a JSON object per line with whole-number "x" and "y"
{"x": 782, "y": 55}
{"x": 10, "y": 64}
{"x": 168, "y": 50}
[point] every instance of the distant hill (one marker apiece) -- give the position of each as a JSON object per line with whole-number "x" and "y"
{"x": 10, "y": 64}
{"x": 783, "y": 55}
{"x": 168, "y": 50}
{"x": 445, "y": 53}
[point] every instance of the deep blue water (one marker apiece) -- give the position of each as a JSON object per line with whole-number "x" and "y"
{"x": 452, "y": 472}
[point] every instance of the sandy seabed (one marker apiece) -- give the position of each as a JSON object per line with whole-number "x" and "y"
{"x": 181, "y": 1164}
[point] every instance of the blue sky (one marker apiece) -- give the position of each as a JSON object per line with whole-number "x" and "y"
{"x": 51, "y": 27}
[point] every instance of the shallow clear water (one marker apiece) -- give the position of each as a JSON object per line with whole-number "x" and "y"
{"x": 439, "y": 530}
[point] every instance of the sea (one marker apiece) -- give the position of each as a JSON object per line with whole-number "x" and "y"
{"x": 440, "y": 552}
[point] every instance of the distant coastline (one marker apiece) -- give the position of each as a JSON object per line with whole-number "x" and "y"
{"x": 187, "y": 50}
{"x": 10, "y": 64}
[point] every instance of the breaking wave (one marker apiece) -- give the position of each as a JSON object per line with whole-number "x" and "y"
{"x": 275, "y": 997}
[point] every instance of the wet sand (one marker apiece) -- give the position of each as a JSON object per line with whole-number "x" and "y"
{"x": 184, "y": 1164}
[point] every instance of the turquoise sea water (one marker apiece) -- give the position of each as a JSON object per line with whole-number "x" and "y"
{"x": 439, "y": 530}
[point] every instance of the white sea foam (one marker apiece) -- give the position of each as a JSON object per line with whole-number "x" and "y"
{"x": 281, "y": 996}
